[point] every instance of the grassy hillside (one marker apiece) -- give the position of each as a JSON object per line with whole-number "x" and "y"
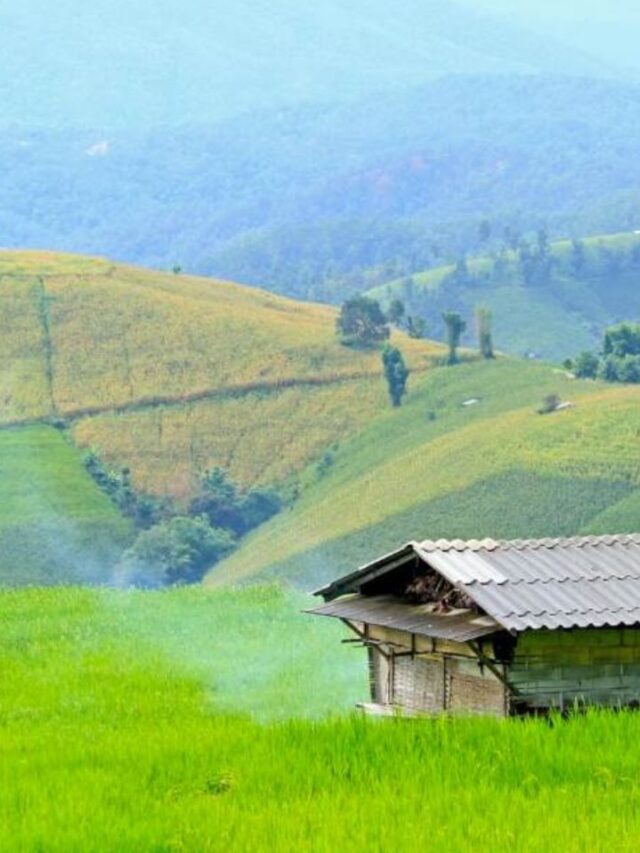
{"x": 170, "y": 374}
{"x": 438, "y": 468}
{"x": 123, "y": 729}
{"x": 553, "y": 319}
{"x": 55, "y": 526}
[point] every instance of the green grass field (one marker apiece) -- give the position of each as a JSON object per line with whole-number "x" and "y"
{"x": 55, "y": 525}
{"x": 556, "y": 320}
{"x": 195, "y": 720}
{"x": 439, "y": 468}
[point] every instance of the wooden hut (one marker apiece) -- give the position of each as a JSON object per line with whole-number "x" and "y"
{"x": 486, "y": 627}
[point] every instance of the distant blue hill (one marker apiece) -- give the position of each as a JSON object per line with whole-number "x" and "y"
{"x": 131, "y": 63}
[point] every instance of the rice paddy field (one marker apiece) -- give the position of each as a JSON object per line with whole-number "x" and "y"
{"x": 196, "y": 720}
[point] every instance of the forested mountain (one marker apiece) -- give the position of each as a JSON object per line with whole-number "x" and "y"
{"x": 131, "y": 63}
{"x": 321, "y": 201}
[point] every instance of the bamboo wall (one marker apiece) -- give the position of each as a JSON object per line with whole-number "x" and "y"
{"x": 418, "y": 675}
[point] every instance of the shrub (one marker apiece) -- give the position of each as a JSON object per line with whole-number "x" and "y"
{"x": 175, "y": 552}
{"x": 549, "y": 404}
{"x": 361, "y": 322}
{"x": 223, "y": 506}
{"x": 586, "y": 365}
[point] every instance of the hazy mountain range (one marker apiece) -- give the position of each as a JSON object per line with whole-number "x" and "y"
{"x": 136, "y": 63}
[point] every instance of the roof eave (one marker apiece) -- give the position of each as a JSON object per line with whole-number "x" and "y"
{"x": 349, "y": 583}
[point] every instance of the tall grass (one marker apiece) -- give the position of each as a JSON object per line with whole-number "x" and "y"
{"x": 112, "y": 739}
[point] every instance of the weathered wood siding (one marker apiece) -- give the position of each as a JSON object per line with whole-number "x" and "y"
{"x": 556, "y": 669}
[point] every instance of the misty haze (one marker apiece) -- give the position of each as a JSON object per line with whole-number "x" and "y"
{"x": 319, "y": 310}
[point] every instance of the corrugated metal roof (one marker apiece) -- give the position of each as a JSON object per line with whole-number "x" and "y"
{"x": 390, "y": 612}
{"x": 533, "y": 583}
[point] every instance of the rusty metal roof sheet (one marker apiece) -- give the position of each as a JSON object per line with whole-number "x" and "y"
{"x": 531, "y": 583}
{"x": 388, "y": 611}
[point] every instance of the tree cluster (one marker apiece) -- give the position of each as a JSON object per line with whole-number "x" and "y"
{"x": 619, "y": 359}
{"x": 175, "y": 544}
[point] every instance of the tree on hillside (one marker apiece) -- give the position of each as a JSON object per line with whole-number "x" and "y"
{"x": 586, "y": 365}
{"x": 622, "y": 340}
{"x": 483, "y": 328}
{"x": 396, "y": 373}
{"x": 395, "y": 312}
{"x": 619, "y": 360}
{"x": 416, "y": 326}
{"x": 361, "y": 322}
{"x": 455, "y": 328}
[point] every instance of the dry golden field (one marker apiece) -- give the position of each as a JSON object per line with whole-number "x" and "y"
{"x": 171, "y": 374}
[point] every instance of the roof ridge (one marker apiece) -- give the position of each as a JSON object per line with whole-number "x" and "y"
{"x": 488, "y": 544}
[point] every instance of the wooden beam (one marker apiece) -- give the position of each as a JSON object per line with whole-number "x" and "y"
{"x": 491, "y": 665}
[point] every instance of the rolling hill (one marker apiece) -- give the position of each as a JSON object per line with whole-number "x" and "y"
{"x": 467, "y": 456}
{"x": 588, "y": 287}
{"x": 163, "y": 374}
{"x": 170, "y": 375}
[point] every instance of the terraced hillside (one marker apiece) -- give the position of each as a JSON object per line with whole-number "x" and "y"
{"x": 553, "y": 318}
{"x": 169, "y": 374}
{"x": 467, "y": 456}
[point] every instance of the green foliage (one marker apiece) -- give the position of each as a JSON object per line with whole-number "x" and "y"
{"x": 455, "y": 327}
{"x": 622, "y": 340}
{"x": 126, "y": 727}
{"x": 174, "y": 552}
{"x": 395, "y": 311}
{"x": 416, "y": 327}
{"x": 226, "y": 507}
{"x": 485, "y": 336}
{"x": 143, "y": 510}
{"x": 396, "y": 373}
{"x": 620, "y": 358}
{"x": 585, "y": 365}
{"x": 361, "y": 322}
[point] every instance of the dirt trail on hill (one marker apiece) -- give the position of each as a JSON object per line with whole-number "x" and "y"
{"x": 175, "y": 401}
